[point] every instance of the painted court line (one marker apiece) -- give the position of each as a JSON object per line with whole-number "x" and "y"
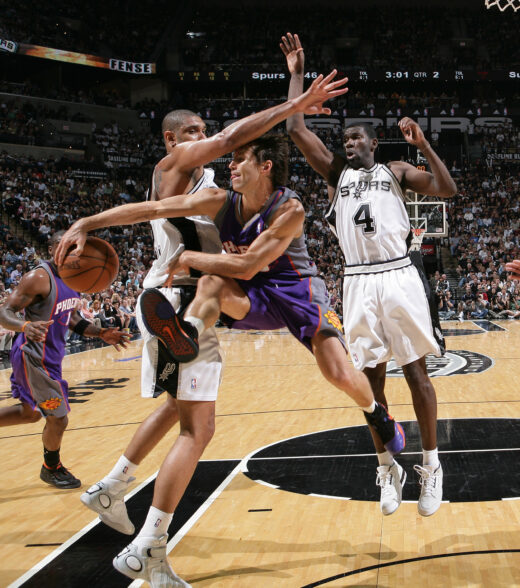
{"x": 35, "y": 569}
{"x": 195, "y": 517}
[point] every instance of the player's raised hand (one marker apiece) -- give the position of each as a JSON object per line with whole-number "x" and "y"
{"x": 119, "y": 339}
{"x": 74, "y": 238}
{"x": 321, "y": 90}
{"x": 293, "y": 51}
{"x": 37, "y": 330}
{"x": 514, "y": 268}
{"x": 412, "y": 132}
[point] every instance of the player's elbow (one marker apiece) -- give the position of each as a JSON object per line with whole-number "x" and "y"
{"x": 449, "y": 190}
{"x": 246, "y": 269}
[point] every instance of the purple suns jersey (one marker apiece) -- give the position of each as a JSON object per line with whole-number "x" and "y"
{"x": 237, "y": 237}
{"x": 57, "y": 306}
{"x": 288, "y": 293}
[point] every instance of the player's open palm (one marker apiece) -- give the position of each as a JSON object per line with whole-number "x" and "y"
{"x": 321, "y": 90}
{"x": 293, "y": 51}
{"x": 119, "y": 339}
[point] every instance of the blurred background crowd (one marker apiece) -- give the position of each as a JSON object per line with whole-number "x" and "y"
{"x": 76, "y": 140}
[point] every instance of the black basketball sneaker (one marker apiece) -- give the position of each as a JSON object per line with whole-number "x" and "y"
{"x": 390, "y": 431}
{"x": 60, "y": 477}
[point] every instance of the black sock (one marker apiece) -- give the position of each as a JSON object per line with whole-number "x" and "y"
{"x": 51, "y": 458}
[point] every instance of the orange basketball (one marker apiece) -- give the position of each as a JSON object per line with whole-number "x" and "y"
{"x": 92, "y": 271}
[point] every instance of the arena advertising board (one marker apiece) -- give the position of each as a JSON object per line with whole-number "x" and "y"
{"x": 77, "y": 58}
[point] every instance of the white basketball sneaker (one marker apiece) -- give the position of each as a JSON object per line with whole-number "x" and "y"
{"x": 106, "y": 498}
{"x": 391, "y": 479}
{"x": 431, "y": 489}
{"x": 145, "y": 559}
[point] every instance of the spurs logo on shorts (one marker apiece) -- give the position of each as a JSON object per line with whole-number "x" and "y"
{"x": 168, "y": 370}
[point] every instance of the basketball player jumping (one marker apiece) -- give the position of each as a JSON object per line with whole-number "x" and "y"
{"x": 181, "y": 171}
{"x": 385, "y": 308}
{"x": 270, "y": 283}
{"x": 37, "y": 354}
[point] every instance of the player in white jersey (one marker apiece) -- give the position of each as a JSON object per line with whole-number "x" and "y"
{"x": 192, "y": 388}
{"x": 385, "y": 309}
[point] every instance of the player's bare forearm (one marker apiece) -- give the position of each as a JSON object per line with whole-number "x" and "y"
{"x": 9, "y": 320}
{"x": 230, "y": 266}
{"x": 443, "y": 184}
{"x": 296, "y": 121}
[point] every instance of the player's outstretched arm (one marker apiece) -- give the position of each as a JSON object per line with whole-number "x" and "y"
{"x": 323, "y": 88}
{"x": 119, "y": 339}
{"x": 207, "y": 202}
{"x": 438, "y": 182}
{"x": 311, "y": 146}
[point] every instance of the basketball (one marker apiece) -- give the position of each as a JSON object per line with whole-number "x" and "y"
{"x": 92, "y": 271}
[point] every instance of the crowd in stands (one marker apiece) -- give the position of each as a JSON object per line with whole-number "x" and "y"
{"x": 100, "y": 95}
{"x": 43, "y": 197}
{"x": 485, "y": 234}
{"x": 387, "y": 35}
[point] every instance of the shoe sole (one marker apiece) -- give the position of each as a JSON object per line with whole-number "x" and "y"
{"x": 167, "y": 327}
{"x": 71, "y": 486}
{"x": 398, "y": 442}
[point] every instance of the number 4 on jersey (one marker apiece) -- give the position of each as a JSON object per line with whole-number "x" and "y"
{"x": 364, "y": 217}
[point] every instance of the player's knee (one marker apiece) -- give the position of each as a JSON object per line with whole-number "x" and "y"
{"x": 212, "y": 285}
{"x": 57, "y": 423}
{"x": 342, "y": 378}
{"x": 30, "y": 416}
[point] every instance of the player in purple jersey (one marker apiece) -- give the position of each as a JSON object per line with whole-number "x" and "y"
{"x": 50, "y": 311}
{"x": 267, "y": 282}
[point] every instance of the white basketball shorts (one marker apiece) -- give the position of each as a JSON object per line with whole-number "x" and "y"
{"x": 196, "y": 380}
{"x": 387, "y": 314}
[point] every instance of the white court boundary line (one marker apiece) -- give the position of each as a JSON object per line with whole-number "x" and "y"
{"x": 241, "y": 467}
{"x": 196, "y": 515}
{"x": 41, "y": 564}
{"x": 171, "y": 544}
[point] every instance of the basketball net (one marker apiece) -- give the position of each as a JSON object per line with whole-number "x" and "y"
{"x": 417, "y": 239}
{"x": 503, "y": 4}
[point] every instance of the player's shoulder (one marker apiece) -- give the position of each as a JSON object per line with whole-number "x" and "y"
{"x": 35, "y": 281}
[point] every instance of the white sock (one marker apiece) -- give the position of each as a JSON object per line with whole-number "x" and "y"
{"x": 123, "y": 470}
{"x": 156, "y": 524}
{"x": 197, "y": 323}
{"x": 385, "y": 458}
{"x": 369, "y": 409}
{"x": 431, "y": 457}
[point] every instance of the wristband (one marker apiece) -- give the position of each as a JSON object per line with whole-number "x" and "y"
{"x": 24, "y": 325}
{"x": 81, "y": 326}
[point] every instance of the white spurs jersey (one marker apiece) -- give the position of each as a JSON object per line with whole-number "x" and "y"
{"x": 369, "y": 218}
{"x": 197, "y": 233}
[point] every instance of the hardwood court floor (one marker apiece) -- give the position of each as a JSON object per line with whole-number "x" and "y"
{"x": 293, "y": 527}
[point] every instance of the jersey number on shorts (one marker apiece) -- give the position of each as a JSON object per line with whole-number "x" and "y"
{"x": 364, "y": 217}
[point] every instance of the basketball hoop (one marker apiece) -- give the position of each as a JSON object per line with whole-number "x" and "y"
{"x": 417, "y": 238}
{"x": 503, "y": 4}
